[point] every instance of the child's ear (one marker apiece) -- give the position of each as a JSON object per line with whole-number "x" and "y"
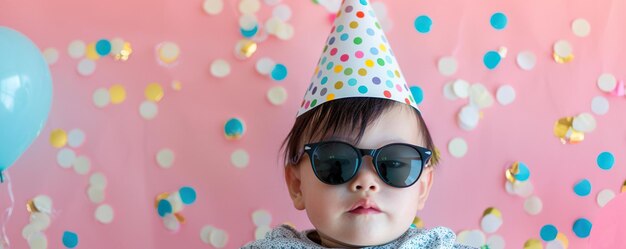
{"x": 424, "y": 183}
{"x": 292, "y": 178}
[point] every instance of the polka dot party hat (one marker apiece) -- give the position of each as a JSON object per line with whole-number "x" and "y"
{"x": 356, "y": 61}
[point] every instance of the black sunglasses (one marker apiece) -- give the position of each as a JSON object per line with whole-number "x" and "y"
{"x": 398, "y": 164}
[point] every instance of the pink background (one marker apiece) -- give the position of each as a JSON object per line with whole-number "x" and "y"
{"x": 123, "y": 146}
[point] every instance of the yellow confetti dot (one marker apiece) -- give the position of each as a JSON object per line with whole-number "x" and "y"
{"x": 154, "y": 92}
{"x": 369, "y": 63}
{"x": 58, "y": 138}
{"x": 561, "y": 237}
{"x": 330, "y": 97}
{"x": 533, "y": 244}
{"x": 91, "y": 52}
{"x": 562, "y": 60}
{"x": 117, "y": 93}
{"x": 419, "y": 223}
{"x": 492, "y": 210}
{"x": 177, "y": 85}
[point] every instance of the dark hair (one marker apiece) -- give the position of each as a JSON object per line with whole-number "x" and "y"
{"x": 347, "y": 116}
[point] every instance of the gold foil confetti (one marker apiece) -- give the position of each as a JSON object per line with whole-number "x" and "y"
{"x": 117, "y": 94}
{"x": 30, "y": 207}
{"x": 533, "y": 244}
{"x": 562, "y": 60}
{"x": 502, "y": 51}
{"x": 154, "y": 92}
{"x": 492, "y": 210}
{"x": 623, "y": 187}
{"x": 245, "y": 48}
{"x": 418, "y": 222}
{"x": 511, "y": 172}
{"x": 124, "y": 54}
{"x": 565, "y": 132}
{"x": 58, "y": 138}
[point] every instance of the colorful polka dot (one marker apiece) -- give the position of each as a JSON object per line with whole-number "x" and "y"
{"x": 333, "y": 51}
{"x": 324, "y": 80}
{"x": 345, "y": 57}
{"x": 360, "y": 14}
{"x": 344, "y": 37}
{"x": 380, "y": 62}
{"x": 352, "y": 82}
{"x": 363, "y": 89}
{"x": 338, "y": 68}
{"x": 605, "y": 160}
{"x": 358, "y": 40}
{"x": 330, "y": 97}
{"x": 339, "y": 28}
{"x": 103, "y": 47}
{"x": 387, "y": 94}
{"x": 313, "y": 103}
{"x": 370, "y": 32}
{"x": 423, "y": 24}
{"x": 362, "y": 72}
{"x": 354, "y": 25}
{"x": 498, "y": 21}
{"x": 376, "y": 80}
{"x": 369, "y": 63}
{"x": 374, "y": 51}
{"x": 339, "y": 85}
{"x": 349, "y": 9}
{"x": 364, "y": 2}
{"x": 359, "y": 54}
{"x": 348, "y": 71}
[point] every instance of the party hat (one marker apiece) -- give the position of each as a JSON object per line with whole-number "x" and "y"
{"x": 357, "y": 61}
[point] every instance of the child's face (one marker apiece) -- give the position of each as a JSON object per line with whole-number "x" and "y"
{"x": 328, "y": 206}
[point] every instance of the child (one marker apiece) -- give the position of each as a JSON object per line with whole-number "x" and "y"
{"x": 359, "y": 156}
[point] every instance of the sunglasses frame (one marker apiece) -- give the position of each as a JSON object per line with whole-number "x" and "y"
{"x": 425, "y": 154}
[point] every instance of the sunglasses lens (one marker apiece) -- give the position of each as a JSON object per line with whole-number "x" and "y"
{"x": 399, "y": 165}
{"x": 335, "y": 163}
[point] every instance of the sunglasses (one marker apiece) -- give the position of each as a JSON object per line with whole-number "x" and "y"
{"x": 398, "y": 164}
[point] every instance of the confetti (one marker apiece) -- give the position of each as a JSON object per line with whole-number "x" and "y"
{"x": 461, "y": 88}
{"x": 277, "y": 95}
{"x": 581, "y": 27}
{"x": 51, "y": 55}
{"x": 423, "y": 24}
{"x": 82, "y": 165}
{"x": 533, "y": 205}
{"x": 607, "y": 82}
{"x": 582, "y": 188}
{"x": 104, "y": 214}
{"x": 417, "y": 223}
{"x": 457, "y": 147}
{"x": 584, "y": 122}
{"x": 282, "y": 12}
{"x": 164, "y": 208}
{"x": 76, "y": 49}
{"x": 582, "y": 228}
{"x": 599, "y": 105}
{"x": 279, "y": 72}
{"x": 261, "y": 218}
{"x": 498, "y": 21}
{"x": 245, "y": 48}
{"x": 205, "y": 234}
{"x": 505, "y": 95}
{"x": 117, "y": 94}
{"x": 96, "y": 194}
{"x": 490, "y": 223}
{"x": 218, "y": 238}
{"x": 548, "y": 233}
{"x": 171, "y": 222}
{"x": 448, "y": 91}
{"x": 563, "y": 51}
{"x": 491, "y": 59}
{"x": 91, "y": 53}
{"x": 480, "y": 96}
{"x": 533, "y": 244}
{"x": 101, "y": 97}
{"x": 154, "y": 92}
{"x": 249, "y": 6}
{"x": 70, "y": 239}
{"x": 605, "y": 160}
{"x": 167, "y": 53}
{"x": 220, "y": 68}
{"x": 475, "y": 238}
{"x": 468, "y": 117}
{"x": 43, "y": 203}
{"x": 496, "y": 242}
{"x": 213, "y": 7}
{"x": 75, "y": 138}
{"x": 103, "y": 47}
{"x": 234, "y": 128}
{"x": 447, "y": 66}
{"x": 98, "y": 180}
{"x": 604, "y": 197}
{"x": 65, "y": 158}
{"x": 264, "y": 66}
{"x": 40, "y": 221}
{"x": 187, "y": 195}
{"x": 148, "y": 110}
{"x": 38, "y": 241}
{"x": 58, "y": 138}
{"x": 240, "y": 158}
{"x": 526, "y": 60}
{"x": 261, "y": 232}
{"x": 165, "y": 158}
{"x": 86, "y": 67}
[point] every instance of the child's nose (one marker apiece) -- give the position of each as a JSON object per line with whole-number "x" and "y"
{"x": 366, "y": 178}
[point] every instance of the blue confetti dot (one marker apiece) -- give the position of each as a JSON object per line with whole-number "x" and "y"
{"x": 523, "y": 172}
{"x": 164, "y": 208}
{"x": 498, "y": 21}
{"x": 234, "y": 128}
{"x": 103, "y": 47}
{"x": 251, "y": 32}
{"x": 492, "y": 59}
{"x": 418, "y": 94}
{"x": 582, "y": 188}
{"x": 582, "y": 228}
{"x": 423, "y": 24}
{"x": 187, "y": 195}
{"x": 279, "y": 72}
{"x": 606, "y": 160}
{"x": 70, "y": 239}
{"x": 548, "y": 233}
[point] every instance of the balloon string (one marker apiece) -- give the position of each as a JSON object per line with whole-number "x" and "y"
{"x": 4, "y": 242}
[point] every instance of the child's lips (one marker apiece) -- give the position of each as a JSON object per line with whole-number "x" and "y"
{"x": 361, "y": 210}
{"x": 365, "y": 206}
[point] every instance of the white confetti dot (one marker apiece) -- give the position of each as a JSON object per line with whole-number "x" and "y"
{"x": 599, "y": 105}
{"x": 66, "y": 157}
{"x": 261, "y": 232}
{"x": 41, "y": 221}
{"x": 220, "y": 68}
{"x": 76, "y": 49}
{"x": 581, "y": 27}
{"x": 148, "y": 110}
{"x": 272, "y": 24}
{"x": 505, "y": 95}
{"x": 272, "y": 2}
{"x": 175, "y": 201}
{"x": 165, "y": 158}
{"x": 526, "y": 60}
{"x": 523, "y": 189}
{"x": 490, "y": 223}
{"x": 29, "y": 230}
{"x": 82, "y": 165}
{"x": 51, "y": 55}
{"x": 447, "y": 66}
{"x": 249, "y": 6}
{"x": 555, "y": 244}
{"x": 461, "y": 88}
{"x": 508, "y": 186}
{"x": 104, "y": 214}
{"x": 43, "y": 203}
{"x": 75, "y": 138}
{"x": 219, "y": 238}
{"x": 38, "y": 241}
{"x": 533, "y": 205}
{"x": 457, "y": 147}
{"x": 563, "y": 48}
{"x": 282, "y": 12}
{"x": 285, "y": 31}
{"x": 605, "y": 196}
{"x": 86, "y": 67}
{"x": 248, "y": 21}
{"x": 240, "y": 158}
{"x": 277, "y": 95}
{"x": 448, "y": 92}
{"x": 265, "y": 65}
{"x": 469, "y": 117}
{"x": 168, "y": 52}
{"x": 607, "y": 82}
{"x": 261, "y": 218}
{"x": 480, "y": 96}
{"x": 496, "y": 242}
{"x": 98, "y": 180}
{"x": 171, "y": 223}
{"x": 205, "y": 234}
{"x": 96, "y": 194}
{"x": 101, "y": 97}
{"x": 213, "y": 7}
{"x": 584, "y": 122}
{"x": 117, "y": 45}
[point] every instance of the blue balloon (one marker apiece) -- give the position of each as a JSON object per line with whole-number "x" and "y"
{"x": 25, "y": 95}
